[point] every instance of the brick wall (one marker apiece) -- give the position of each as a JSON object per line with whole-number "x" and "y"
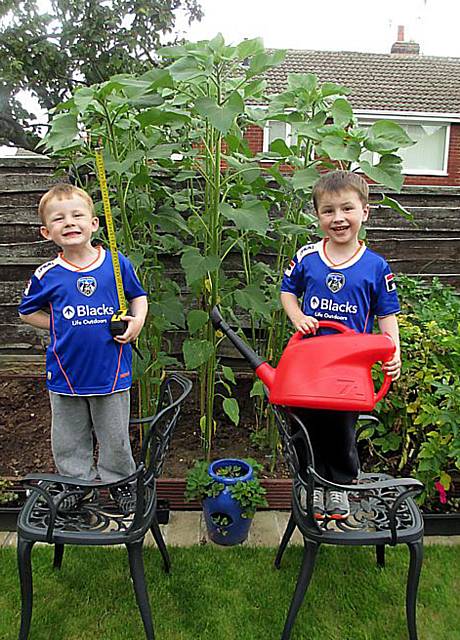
{"x": 255, "y": 137}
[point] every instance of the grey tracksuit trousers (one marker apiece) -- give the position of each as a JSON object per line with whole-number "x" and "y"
{"x": 74, "y": 418}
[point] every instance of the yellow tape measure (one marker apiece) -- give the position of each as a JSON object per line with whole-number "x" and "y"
{"x": 122, "y": 305}
{"x": 117, "y": 324}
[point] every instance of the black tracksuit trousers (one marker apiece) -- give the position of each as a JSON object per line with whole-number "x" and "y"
{"x": 333, "y": 440}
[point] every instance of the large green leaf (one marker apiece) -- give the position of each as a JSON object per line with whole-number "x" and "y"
{"x": 277, "y": 175}
{"x": 309, "y": 129}
{"x": 339, "y": 149}
{"x": 228, "y": 374}
{"x": 231, "y": 408}
{"x": 247, "y": 171}
{"x": 289, "y": 228}
{"x": 132, "y": 87}
{"x": 279, "y": 147}
{"x": 254, "y": 88}
{"x": 386, "y": 172}
{"x": 305, "y": 178}
{"x": 385, "y": 136}
{"x": 249, "y": 48}
{"x": 307, "y": 81}
{"x": 172, "y": 309}
{"x": 196, "y": 319}
{"x": 197, "y": 266}
{"x": 220, "y": 117}
{"x": 333, "y": 89}
{"x": 252, "y": 299}
{"x": 342, "y": 113}
{"x": 196, "y": 352}
{"x": 163, "y": 151}
{"x": 124, "y": 167}
{"x": 173, "y": 52}
{"x": 396, "y": 206}
{"x": 170, "y": 220}
{"x": 64, "y": 131}
{"x": 186, "y": 69}
{"x": 263, "y": 61}
{"x": 251, "y": 217}
{"x": 156, "y": 116}
{"x": 83, "y": 97}
{"x": 158, "y": 78}
{"x": 217, "y": 44}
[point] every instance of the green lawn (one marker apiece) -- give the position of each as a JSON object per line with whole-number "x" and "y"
{"x": 232, "y": 594}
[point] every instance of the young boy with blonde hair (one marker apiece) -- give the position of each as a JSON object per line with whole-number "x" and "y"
{"x": 340, "y": 279}
{"x": 88, "y": 372}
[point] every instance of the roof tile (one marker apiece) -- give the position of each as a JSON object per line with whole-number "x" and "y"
{"x": 379, "y": 82}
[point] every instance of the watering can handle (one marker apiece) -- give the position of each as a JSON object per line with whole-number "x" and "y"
{"x": 327, "y": 324}
{"x": 381, "y": 393}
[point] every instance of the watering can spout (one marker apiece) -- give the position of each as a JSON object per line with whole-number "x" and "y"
{"x": 266, "y": 373}
{"x": 220, "y": 325}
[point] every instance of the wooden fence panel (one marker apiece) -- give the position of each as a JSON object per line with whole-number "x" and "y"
{"x": 429, "y": 245}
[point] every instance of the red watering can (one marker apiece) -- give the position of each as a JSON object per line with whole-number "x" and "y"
{"x": 323, "y": 372}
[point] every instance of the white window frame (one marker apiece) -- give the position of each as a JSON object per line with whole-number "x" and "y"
{"x": 367, "y": 119}
{"x": 287, "y": 139}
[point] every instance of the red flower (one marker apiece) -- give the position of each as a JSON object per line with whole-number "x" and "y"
{"x": 442, "y": 492}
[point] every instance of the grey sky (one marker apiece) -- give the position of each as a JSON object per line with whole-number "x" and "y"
{"x": 335, "y": 25}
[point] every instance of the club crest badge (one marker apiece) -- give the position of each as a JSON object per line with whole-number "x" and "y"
{"x": 335, "y": 281}
{"x": 87, "y": 285}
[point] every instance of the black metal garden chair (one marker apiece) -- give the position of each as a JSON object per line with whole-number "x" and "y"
{"x": 382, "y": 512}
{"x": 99, "y": 521}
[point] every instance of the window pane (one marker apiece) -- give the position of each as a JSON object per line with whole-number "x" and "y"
{"x": 276, "y": 130}
{"x": 429, "y": 151}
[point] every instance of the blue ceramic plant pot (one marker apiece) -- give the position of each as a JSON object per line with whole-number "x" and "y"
{"x": 222, "y": 514}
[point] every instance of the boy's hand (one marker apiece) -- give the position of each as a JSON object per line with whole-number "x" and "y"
{"x": 305, "y": 324}
{"x": 133, "y": 329}
{"x": 393, "y": 366}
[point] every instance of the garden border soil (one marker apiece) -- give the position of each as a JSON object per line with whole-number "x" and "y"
{"x": 25, "y": 448}
{"x": 25, "y": 445}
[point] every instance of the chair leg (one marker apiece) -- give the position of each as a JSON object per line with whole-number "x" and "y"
{"x": 58, "y": 553}
{"x": 136, "y": 566}
{"x": 306, "y": 571}
{"x": 380, "y": 555}
{"x": 157, "y": 536}
{"x": 24, "y": 550}
{"x": 284, "y": 541}
{"x": 415, "y": 567}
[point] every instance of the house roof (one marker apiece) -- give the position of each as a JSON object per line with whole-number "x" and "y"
{"x": 379, "y": 82}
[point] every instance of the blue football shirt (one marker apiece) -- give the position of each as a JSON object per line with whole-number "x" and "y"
{"x": 82, "y": 357}
{"x": 353, "y": 293}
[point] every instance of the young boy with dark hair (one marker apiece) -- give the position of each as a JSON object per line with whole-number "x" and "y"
{"x": 340, "y": 279}
{"x": 88, "y": 372}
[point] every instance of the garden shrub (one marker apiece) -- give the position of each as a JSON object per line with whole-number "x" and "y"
{"x": 420, "y": 418}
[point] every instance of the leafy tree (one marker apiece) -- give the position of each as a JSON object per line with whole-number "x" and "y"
{"x": 79, "y": 42}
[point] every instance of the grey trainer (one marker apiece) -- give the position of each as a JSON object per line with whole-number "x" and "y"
{"x": 337, "y": 505}
{"x": 319, "y": 511}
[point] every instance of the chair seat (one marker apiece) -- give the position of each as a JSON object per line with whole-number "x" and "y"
{"x": 368, "y": 522}
{"x": 97, "y": 522}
